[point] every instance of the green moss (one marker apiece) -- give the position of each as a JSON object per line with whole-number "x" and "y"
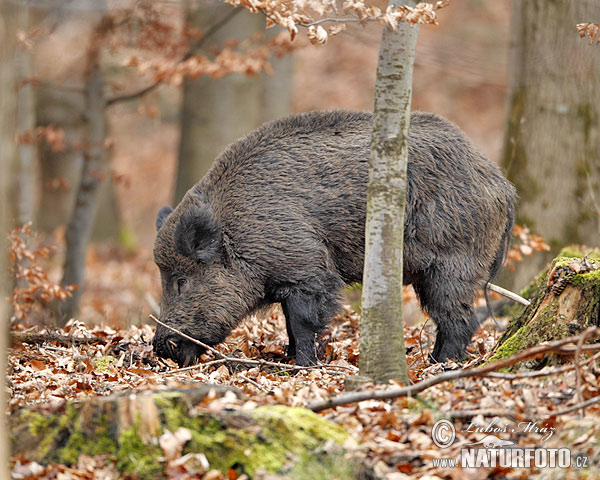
{"x": 103, "y": 363}
{"x": 546, "y": 328}
{"x": 100, "y": 442}
{"x": 322, "y": 466}
{"x": 255, "y": 440}
{"x": 137, "y": 458}
{"x": 273, "y": 438}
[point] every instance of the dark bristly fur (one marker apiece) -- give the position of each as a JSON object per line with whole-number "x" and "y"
{"x": 280, "y": 218}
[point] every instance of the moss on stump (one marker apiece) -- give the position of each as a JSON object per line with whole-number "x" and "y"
{"x": 565, "y": 300}
{"x": 274, "y": 439}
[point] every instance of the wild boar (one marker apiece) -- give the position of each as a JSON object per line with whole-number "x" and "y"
{"x": 280, "y": 218}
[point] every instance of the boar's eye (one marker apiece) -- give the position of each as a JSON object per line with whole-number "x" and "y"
{"x": 181, "y": 284}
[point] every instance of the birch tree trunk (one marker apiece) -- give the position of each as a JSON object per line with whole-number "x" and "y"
{"x": 7, "y": 155}
{"x": 551, "y": 148}
{"x": 80, "y": 225}
{"x": 382, "y": 352}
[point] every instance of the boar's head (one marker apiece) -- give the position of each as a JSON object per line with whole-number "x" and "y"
{"x": 201, "y": 291}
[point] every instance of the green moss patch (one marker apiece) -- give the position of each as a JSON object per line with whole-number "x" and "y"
{"x": 275, "y": 439}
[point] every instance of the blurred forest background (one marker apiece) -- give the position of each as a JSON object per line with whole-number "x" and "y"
{"x": 112, "y": 125}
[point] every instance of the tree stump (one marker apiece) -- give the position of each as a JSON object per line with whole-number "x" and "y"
{"x": 127, "y": 428}
{"x": 565, "y": 300}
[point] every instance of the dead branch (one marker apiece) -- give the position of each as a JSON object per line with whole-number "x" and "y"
{"x": 385, "y": 394}
{"x": 578, "y": 390}
{"x": 543, "y": 373}
{"x": 42, "y": 338}
{"x": 577, "y": 406}
{"x": 508, "y": 294}
{"x": 197, "y": 45}
{"x": 467, "y": 414}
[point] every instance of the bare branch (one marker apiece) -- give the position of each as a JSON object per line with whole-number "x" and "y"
{"x": 577, "y": 406}
{"x": 41, "y": 338}
{"x": 544, "y": 373}
{"x": 384, "y": 394}
{"x": 508, "y": 294}
{"x": 197, "y": 45}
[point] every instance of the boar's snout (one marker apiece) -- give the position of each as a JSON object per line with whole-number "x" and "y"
{"x": 169, "y": 344}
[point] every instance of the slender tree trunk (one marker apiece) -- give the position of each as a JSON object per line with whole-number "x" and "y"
{"x": 551, "y": 148}
{"x": 60, "y": 170}
{"x": 80, "y": 225}
{"x": 8, "y": 107}
{"x": 61, "y": 104}
{"x": 25, "y": 175}
{"x": 382, "y": 352}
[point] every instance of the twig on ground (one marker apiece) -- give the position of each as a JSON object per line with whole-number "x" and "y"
{"x": 578, "y": 390}
{"x": 247, "y": 361}
{"x": 577, "y": 406}
{"x": 41, "y": 338}
{"x": 466, "y": 414}
{"x": 385, "y": 394}
{"x": 542, "y": 373}
{"x": 256, "y": 384}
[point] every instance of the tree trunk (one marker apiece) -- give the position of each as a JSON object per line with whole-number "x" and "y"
{"x": 93, "y": 172}
{"x": 553, "y": 128}
{"x": 382, "y": 352}
{"x": 565, "y": 300}
{"x": 60, "y": 170}
{"x": 217, "y": 112}
{"x": 8, "y": 26}
{"x": 61, "y": 104}
{"x": 128, "y": 427}
{"x": 25, "y": 175}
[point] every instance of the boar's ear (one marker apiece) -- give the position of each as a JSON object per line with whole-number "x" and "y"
{"x": 163, "y": 213}
{"x": 197, "y": 234}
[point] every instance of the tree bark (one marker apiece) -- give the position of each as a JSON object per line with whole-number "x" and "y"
{"x": 25, "y": 175}
{"x": 553, "y": 127}
{"x": 382, "y": 351}
{"x": 217, "y": 112}
{"x": 8, "y": 152}
{"x": 93, "y": 172}
{"x": 61, "y": 104}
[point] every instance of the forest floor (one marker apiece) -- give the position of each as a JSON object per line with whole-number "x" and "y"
{"x": 394, "y": 437}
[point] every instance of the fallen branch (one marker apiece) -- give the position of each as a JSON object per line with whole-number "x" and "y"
{"x": 577, "y": 406}
{"x": 385, "y": 394}
{"x": 508, "y": 294}
{"x": 544, "y": 373}
{"x": 41, "y": 338}
{"x": 246, "y": 361}
{"x": 466, "y": 414}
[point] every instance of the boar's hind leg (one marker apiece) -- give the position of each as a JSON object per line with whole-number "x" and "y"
{"x": 305, "y": 315}
{"x": 449, "y": 302}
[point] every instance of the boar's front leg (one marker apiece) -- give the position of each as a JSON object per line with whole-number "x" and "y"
{"x": 304, "y": 317}
{"x": 291, "y": 350}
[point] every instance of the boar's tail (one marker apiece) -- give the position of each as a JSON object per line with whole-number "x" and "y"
{"x": 501, "y": 256}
